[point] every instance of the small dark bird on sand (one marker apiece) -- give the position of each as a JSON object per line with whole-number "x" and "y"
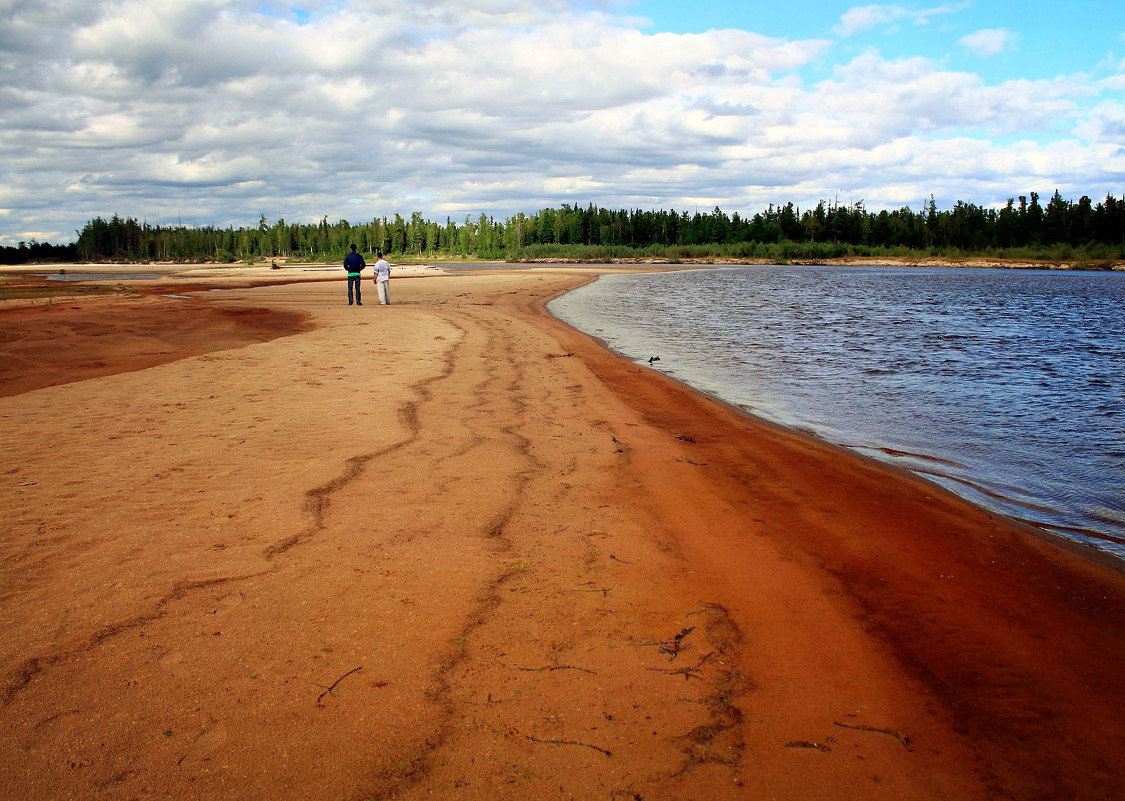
{"x": 652, "y": 359}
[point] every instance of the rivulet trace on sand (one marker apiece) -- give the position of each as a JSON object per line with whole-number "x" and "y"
{"x": 451, "y": 548}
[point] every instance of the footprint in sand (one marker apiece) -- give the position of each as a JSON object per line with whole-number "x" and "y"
{"x": 204, "y": 745}
{"x": 173, "y": 662}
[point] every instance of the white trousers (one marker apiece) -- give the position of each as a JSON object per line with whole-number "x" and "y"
{"x": 384, "y": 292}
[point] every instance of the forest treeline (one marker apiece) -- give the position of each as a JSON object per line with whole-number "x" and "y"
{"x": 1023, "y": 228}
{"x": 36, "y": 252}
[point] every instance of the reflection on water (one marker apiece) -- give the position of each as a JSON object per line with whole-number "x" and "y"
{"x": 1003, "y": 386}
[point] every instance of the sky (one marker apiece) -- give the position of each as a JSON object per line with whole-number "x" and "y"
{"x": 215, "y": 112}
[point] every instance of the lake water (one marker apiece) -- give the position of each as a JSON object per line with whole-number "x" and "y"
{"x": 1003, "y": 386}
{"x": 102, "y": 276}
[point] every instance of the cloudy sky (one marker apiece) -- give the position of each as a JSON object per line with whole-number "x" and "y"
{"x": 216, "y": 111}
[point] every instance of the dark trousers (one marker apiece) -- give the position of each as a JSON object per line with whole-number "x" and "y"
{"x": 354, "y": 280}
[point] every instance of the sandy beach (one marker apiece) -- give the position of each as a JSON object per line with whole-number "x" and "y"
{"x": 257, "y": 543}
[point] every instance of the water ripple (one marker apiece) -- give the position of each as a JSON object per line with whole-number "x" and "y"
{"x": 1003, "y": 386}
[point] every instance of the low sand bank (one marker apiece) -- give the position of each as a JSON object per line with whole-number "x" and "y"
{"x": 452, "y": 548}
{"x": 871, "y": 261}
{"x": 85, "y": 338}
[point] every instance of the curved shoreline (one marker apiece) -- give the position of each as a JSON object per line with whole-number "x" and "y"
{"x": 864, "y": 508}
{"x": 691, "y": 368}
{"x": 1092, "y": 553}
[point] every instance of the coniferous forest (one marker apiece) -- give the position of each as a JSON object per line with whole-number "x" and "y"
{"x": 1090, "y": 234}
{"x": 33, "y": 251}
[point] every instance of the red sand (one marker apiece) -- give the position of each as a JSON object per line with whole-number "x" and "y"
{"x": 451, "y": 548}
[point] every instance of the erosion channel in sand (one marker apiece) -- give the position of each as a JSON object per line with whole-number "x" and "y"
{"x": 452, "y": 548}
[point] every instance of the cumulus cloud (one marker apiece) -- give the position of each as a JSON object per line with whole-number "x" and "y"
{"x": 214, "y": 111}
{"x": 863, "y": 18}
{"x": 988, "y": 42}
{"x": 1105, "y": 124}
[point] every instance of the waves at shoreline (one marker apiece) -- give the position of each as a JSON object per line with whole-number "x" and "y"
{"x": 998, "y": 386}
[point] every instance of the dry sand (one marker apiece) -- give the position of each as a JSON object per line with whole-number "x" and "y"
{"x": 451, "y": 548}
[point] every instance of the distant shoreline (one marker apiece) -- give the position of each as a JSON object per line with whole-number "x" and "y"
{"x": 866, "y": 261}
{"x": 441, "y": 260}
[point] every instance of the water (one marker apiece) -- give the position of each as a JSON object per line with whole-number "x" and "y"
{"x": 102, "y": 276}
{"x": 1003, "y": 386}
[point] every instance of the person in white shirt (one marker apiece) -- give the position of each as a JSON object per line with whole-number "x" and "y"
{"x": 383, "y": 279}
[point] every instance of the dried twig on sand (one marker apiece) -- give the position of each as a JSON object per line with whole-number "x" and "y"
{"x": 902, "y": 738}
{"x": 328, "y": 690}
{"x": 676, "y": 645}
{"x": 568, "y": 742}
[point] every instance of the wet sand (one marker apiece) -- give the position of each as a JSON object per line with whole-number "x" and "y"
{"x": 451, "y": 548}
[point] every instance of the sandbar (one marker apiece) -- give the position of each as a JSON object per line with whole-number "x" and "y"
{"x": 257, "y": 543}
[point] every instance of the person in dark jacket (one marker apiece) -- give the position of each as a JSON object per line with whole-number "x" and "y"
{"x": 354, "y": 264}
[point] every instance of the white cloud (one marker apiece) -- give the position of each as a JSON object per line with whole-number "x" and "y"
{"x": 215, "y": 111}
{"x": 862, "y": 18}
{"x": 989, "y": 42}
{"x": 1105, "y": 124}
